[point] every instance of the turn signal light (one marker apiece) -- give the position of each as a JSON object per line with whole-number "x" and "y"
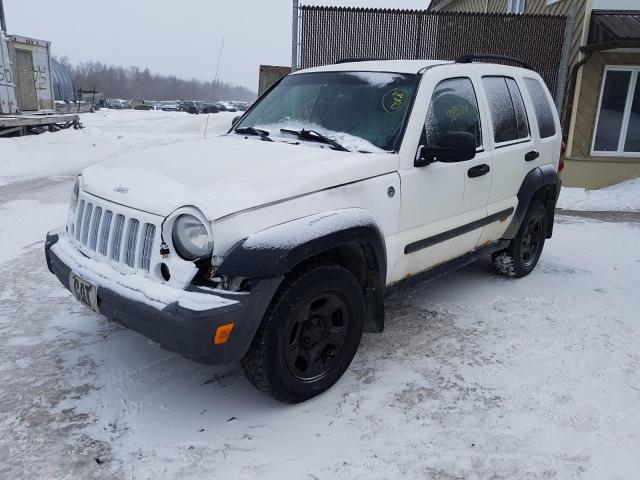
{"x": 223, "y": 332}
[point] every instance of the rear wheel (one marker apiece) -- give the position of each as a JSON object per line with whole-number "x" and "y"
{"x": 522, "y": 254}
{"x": 309, "y": 335}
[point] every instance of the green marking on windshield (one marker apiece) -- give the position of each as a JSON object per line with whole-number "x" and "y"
{"x": 394, "y": 99}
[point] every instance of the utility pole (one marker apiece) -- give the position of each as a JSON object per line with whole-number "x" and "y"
{"x": 3, "y": 23}
{"x": 294, "y": 34}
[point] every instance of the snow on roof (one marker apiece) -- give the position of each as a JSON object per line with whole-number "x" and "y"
{"x": 399, "y": 66}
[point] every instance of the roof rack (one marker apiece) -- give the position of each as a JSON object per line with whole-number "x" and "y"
{"x": 471, "y": 57}
{"x": 353, "y": 60}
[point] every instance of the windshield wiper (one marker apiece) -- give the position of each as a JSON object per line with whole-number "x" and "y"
{"x": 263, "y": 134}
{"x": 317, "y": 136}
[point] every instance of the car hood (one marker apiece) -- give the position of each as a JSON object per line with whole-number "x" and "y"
{"x": 228, "y": 174}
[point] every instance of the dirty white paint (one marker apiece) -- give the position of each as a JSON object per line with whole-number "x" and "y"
{"x": 8, "y": 103}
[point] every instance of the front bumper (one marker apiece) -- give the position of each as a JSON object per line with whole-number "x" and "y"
{"x": 182, "y": 321}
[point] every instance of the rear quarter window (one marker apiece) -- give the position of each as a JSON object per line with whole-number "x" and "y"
{"x": 542, "y": 109}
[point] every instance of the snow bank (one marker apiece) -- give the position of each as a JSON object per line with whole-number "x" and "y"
{"x": 624, "y": 196}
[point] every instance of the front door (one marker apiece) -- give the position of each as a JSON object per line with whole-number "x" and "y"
{"x": 444, "y": 204}
{"x": 26, "y": 81}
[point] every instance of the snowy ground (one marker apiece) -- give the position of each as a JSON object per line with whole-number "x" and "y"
{"x": 475, "y": 377}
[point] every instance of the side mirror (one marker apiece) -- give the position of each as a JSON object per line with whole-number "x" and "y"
{"x": 235, "y": 120}
{"x": 452, "y": 147}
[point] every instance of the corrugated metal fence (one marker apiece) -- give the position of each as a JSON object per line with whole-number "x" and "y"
{"x": 329, "y": 34}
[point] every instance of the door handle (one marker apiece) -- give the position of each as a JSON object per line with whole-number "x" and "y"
{"x": 531, "y": 156}
{"x": 478, "y": 170}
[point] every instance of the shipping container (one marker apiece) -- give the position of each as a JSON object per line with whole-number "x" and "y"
{"x": 31, "y": 60}
{"x": 8, "y": 101}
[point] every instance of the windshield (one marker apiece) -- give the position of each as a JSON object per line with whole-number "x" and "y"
{"x": 363, "y": 111}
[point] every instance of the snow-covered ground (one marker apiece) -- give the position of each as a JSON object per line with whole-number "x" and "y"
{"x": 475, "y": 377}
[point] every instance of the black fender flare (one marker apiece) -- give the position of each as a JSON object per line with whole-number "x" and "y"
{"x": 536, "y": 179}
{"x": 279, "y": 249}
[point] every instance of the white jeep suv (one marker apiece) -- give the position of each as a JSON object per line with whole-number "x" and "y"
{"x": 274, "y": 244}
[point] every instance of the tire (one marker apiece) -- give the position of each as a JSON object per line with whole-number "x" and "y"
{"x": 309, "y": 335}
{"x": 522, "y": 255}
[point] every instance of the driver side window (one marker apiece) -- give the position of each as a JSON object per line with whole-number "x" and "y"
{"x": 453, "y": 108}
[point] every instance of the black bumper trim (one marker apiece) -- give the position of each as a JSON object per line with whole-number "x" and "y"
{"x": 186, "y": 332}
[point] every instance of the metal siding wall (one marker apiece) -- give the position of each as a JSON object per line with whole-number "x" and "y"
{"x": 330, "y": 34}
{"x": 467, "y": 6}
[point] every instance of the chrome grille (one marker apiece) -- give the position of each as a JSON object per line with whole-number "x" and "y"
{"x": 104, "y": 236}
{"x": 79, "y": 220}
{"x": 132, "y": 242}
{"x": 117, "y": 237}
{"x": 147, "y": 246}
{"x": 95, "y": 224}
{"x": 110, "y": 231}
{"x": 86, "y": 223}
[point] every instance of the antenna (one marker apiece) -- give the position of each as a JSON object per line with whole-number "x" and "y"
{"x": 213, "y": 87}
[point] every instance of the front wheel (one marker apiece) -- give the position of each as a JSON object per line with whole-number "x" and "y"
{"x": 309, "y": 335}
{"x": 522, "y": 254}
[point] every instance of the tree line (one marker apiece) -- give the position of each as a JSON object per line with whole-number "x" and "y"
{"x": 134, "y": 83}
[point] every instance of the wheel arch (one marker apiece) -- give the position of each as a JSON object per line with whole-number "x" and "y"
{"x": 349, "y": 237}
{"x": 541, "y": 184}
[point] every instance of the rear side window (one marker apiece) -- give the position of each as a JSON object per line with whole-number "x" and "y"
{"x": 453, "y": 108}
{"x": 541, "y": 107}
{"x": 508, "y": 114}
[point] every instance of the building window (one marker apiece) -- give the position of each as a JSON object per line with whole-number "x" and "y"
{"x": 617, "y": 130}
{"x": 515, "y": 6}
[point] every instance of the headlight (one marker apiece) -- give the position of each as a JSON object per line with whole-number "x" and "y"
{"x": 74, "y": 195}
{"x": 190, "y": 238}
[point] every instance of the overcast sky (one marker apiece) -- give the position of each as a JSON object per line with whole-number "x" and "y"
{"x": 180, "y": 37}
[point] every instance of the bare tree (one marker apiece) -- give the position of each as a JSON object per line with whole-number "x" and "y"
{"x": 136, "y": 84}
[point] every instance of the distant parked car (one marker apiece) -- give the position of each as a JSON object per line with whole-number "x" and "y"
{"x": 210, "y": 108}
{"x": 242, "y": 106}
{"x": 170, "y": 107}
{"x": 142, "y": 105}
{"x": 191, "y": 107}
{"x": 114, "y": 104}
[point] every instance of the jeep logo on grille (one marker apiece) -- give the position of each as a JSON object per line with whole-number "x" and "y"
{"x": 121, "y": 189}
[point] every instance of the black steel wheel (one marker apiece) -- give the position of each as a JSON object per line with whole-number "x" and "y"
{"x": 522, "y": 254}
{"x": 309, "y": 335}
{"x": 532, "y": 239}
{"x": 316, "y": 334}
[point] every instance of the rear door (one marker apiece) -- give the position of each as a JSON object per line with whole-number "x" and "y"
{"x": 544, "y": 120}
{"x": 515, "y": 148}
